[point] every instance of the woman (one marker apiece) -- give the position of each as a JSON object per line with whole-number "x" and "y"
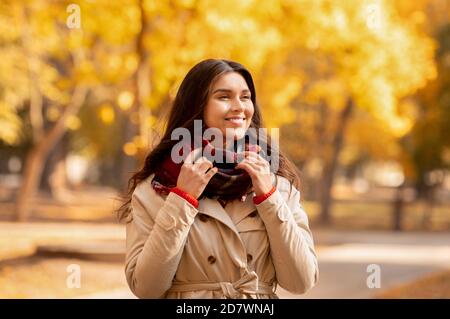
{"x": 204, "y": 228}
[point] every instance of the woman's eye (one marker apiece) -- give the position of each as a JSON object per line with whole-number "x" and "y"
{"x": 223, "y": 97}
{"x": 246, "y": 97}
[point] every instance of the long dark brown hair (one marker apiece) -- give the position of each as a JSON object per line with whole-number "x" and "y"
{"x": 189, "y": 105}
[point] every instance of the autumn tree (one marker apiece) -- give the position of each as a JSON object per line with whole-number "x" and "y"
{"x": 321, "y": 69}
{"x": 353, "y": 57}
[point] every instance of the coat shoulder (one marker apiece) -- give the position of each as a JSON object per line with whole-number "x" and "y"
{"x": 144, "y": 193}
{"x": 284, "y": 186}
{"x": 144, "y": 188}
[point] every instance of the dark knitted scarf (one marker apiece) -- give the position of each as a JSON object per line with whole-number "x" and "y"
{"x": 227, "y": 184}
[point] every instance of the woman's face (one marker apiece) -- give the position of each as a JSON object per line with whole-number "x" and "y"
{"x": 229, "y": 105}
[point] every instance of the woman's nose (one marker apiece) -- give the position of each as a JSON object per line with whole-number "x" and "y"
{"x": 237, "y": 105}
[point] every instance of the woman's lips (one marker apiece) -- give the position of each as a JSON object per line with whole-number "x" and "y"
{"x": 238, "y": 121}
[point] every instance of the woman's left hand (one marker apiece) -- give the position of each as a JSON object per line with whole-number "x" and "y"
{"x": 259, "y": 170}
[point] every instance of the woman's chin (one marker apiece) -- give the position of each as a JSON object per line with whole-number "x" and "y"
{"x": 237, "y": 132}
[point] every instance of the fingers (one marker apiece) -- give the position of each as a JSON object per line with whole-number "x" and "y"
{"x": 211, "y": 173}
{"x": 250, "y": 153}
{"x": 192, "y": 156}
{"x": 203, "y": 164}
{"x": 254, "y": 148}
{"x": 246, "y": 167}
{"x": 253, "y": 155}
{"x": 252, "y": 165}
{"x": 255, "y": 159}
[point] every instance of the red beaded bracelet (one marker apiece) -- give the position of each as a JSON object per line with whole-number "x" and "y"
{"x": 188, "y": 197}
{"x": 259, "y": 199}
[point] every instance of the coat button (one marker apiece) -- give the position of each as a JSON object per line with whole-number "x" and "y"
{"x": 211, "y": 259}
{"x": 249, "y": 258}
{"x": 253, "y": 214}
{"x": 203, "y": 218}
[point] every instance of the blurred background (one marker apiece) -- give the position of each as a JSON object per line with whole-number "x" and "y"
{"x": 360, "y": 90}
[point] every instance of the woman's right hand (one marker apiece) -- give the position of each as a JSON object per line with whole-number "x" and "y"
{"x": 195, "y": 174}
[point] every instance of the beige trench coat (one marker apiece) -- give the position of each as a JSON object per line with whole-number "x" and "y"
{"x": 174, "y": 250}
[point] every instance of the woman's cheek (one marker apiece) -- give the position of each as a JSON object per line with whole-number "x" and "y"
{"x": 249, "y": 118}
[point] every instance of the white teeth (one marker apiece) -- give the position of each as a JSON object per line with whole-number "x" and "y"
{"x": 239, "y": 121}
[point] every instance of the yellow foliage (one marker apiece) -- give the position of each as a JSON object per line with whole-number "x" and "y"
{"x": 106, "y": 114}
{"x": 130, "y": 149}
{"x": 10, "y": 124}
{"x": 125, "y": 100}
{"x": 304, "y": 52}
{"x": 73, "y": 122}
{"x": 53, "y": 113}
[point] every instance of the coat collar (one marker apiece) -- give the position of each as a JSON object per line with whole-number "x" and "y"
{"x": 231, "y": 215}
{"x": 234, "y": 212}
{"x": 238, "y": 210}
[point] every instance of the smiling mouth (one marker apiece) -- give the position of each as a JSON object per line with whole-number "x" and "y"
{"x": 235, "y": 119}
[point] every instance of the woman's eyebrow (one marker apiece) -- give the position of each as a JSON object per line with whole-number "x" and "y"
{"x": 229, "y": 91}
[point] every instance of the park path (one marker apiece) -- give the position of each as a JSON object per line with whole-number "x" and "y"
{"x": 344, "y": 258}
{"x": 343, "y": 255}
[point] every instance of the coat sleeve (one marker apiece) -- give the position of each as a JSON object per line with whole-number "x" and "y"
{"x": 291, "y": 242}
{"x": 155, "y": 242}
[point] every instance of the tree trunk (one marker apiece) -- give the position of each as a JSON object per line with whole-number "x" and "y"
{"x": 54, "y": 158}
{"x": 429, "y": 203}
{"x": 331, "y": 163}
{"x": 398, "y": 209}
{"x": 141, "y": 90}
{"x": 34, "y": 163}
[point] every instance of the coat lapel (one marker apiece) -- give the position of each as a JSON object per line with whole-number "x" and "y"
{"x": 234, "y": 212}
{"x": 213, "y": 209}
{"x": 239, "y": 210}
